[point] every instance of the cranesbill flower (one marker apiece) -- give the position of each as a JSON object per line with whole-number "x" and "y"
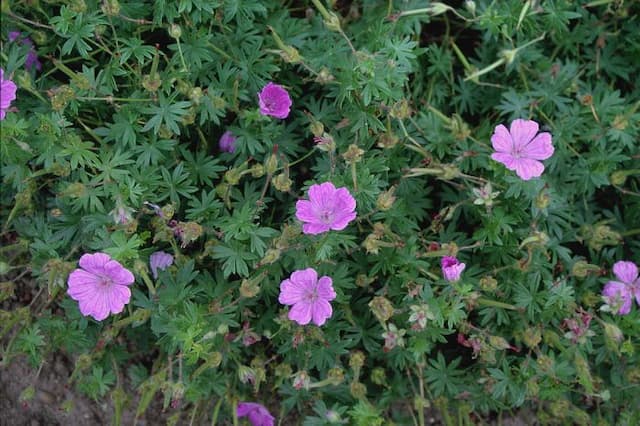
{"x": 31, "y": 60}
{"x": 274, "y": 100}
{"x": 308, "y": 295}
{"x": 519, "y": 148}
{"x": 100, "y": 285}
{"x": 159, "y": 261}
{"x": 257, "y": 414}
{"x": 227, "y": 142}
{"x": 7, "y": 94}
{"x": 619, "y": 294}
{"x": 452, "y": 268}
{"x": 327, "y": 208}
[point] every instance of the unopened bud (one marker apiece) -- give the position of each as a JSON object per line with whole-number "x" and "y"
{"x": 151, "y": 82}
{"x": 353, "y": 154}
{"x": 378, "y": 376}
{"x": 582, "y": 268}
{"x": 356, "y": 361}
{"x": 324, "y": 76}
{"x": 387, "y": 140}
{"x": 317, "y": 128}
{"x": 272, "y": 164}
{"x": 358, "y": 390}
{"x": 612, "y": 337}
{"x": 532, "y": 337}
{"x": 381, "y": 308}
{"x": 232, "y": 176}
{"x": 488, "y": 284}
{"x": 542, "y": 200}
{"x": 336, "y": 376}
{"x": 270, "y": 256}
{"x": 386, "y": 199}
{"x": 499, "y": 343}
{"x": 257, "y": 171}
{"x": 111, "y": 7}
{"x": 401, "y": 110}
{"x": 282, "y": 183}
{"x": 301, "y": 380}
{"x": 175, "y": 31}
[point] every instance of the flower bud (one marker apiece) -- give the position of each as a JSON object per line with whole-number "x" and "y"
{"x": 542, "y": 200}
{"x": 401, "y": 110}
{"x": 257, "y": 171}
{"x": 175, "y": 31}
{"x": 356, "y": 361}
{"x": 301, "y": 380}
{"x": 246, "y": 374}
{"x": 232, "y": 176}
{"x": 387, "y": 140}
{"x": 316, "y": 128}
{"x": 151, "y": 82}
{"x": 378, "y": 376}
{"x": 250, "y": 287}
{"x": 532, "y": 337}
{"x": 358, "y": 390}
{"x": 272, "y": 164}
{"x": 270, "y": 256}
{"x": 324, "y": 76}
{"x": 111, "y": 7}
{"x": 581, "y": 269}
{"x": 386, "y": 199}
{"x": 353, "y": 154}
{"x": 363, "y": 281}
{"x": 499, "y": 343}
{"x": 336, "y": 376}
{"x": 488, "y": 283}
{"x": 381, "y": 308}
{"x": 188, "y": 232}
{"x": 612, "y": 337}
{"x": 282, "y": 183}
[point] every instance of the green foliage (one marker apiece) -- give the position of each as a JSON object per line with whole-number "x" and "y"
{"x": 113, "y": 147}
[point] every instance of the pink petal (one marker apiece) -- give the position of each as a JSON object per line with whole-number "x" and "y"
{"x": 617, "y": 292}
{"x": 505, "y": 158}
{"x": 305, "y": 212}
{"x": 301, "y": 313}
{"x": 321, "y": 310}
{"x": 306, "y": 278}
{"x": 322, "y": 196}
{"x": 118, "y": 296}
{"x": 315, "y": 228}
{"x": 96, "y": 306}
{"x": 627, "y": 272}
{"x": 325, "y": 288}
{"x": 501, "y": 139}
{"x": 345, "y": 200}
{"x": 94, "y": 262}
{"x": 82, "y": 283}
{"x": 291, "y": 293}
{"x": 522, "y": 131}
{"x": 540, "y": 148}
{"x": 118, "y": 274}
{"x": 341, "y": 220}
{"x": 527, "y": 169}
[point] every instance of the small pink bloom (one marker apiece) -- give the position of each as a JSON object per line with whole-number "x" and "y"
{"x": 257, "y": 414}
{"x": 227, "y": 142}
{"x": 452, "y": 268}
{"x": 7, "y": 94}
{"x": 159, "y": 261}
{"x": 274, "y": 100}
{"x": 100, "y": 285}
{"x": 619, "y": 294}
{"x": 308, "y": 296}
{"x": 327, "y": 208}
{"x": 519, "y": 148}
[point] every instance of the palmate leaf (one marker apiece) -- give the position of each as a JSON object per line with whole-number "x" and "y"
{"x": 166, "y": 112}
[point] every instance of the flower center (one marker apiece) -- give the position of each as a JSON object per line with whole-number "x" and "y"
{"x": 326, "y": 216}
{"x": 105, "y": 281}
{"x": 311, "y": 296}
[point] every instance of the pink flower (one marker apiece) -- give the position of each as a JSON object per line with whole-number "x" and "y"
{"x": 257, "y": 414}
{"x": 31, "y": 60}
{"x": 274, "y": 101}
{"x": 159, "y": 260}
{"x": 308, "y": 295}
{"x": 100, "y": 285}
{"x": 7, "y": 94}
{"x": 619, "y": 294}
{"x": 520, "y": 149}
{"x": 452, "y": 268}
{"x": 327, "y": 208}
{"x": 227, "y": 142}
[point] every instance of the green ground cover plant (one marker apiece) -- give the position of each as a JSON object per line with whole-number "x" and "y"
{"x": 316, "y": 213}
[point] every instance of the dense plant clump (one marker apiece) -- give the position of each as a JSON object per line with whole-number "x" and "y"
{"x": 326, "y": 212}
